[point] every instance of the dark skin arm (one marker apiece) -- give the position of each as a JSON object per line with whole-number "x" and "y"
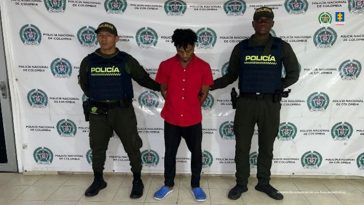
{"x": 164, "y": 90}
{"x": 203, "y": 94}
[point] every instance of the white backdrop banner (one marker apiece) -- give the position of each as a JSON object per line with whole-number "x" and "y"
{"x": 322, "y": 121}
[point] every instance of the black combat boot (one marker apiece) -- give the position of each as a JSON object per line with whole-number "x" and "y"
{"x": 269, "y": 190}
{"x": 138, "y": 187}
{"x": 236, "y": 191}
{"x": 96, "y": 185}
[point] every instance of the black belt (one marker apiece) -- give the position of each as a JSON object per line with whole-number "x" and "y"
{"x": 256, "y": 96}
{"x": 111, "y": 104}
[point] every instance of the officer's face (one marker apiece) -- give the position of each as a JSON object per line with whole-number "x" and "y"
{"x": 185, "y": 54}
{"x": 263, "y": 25}
{"x": 107, "y": 40}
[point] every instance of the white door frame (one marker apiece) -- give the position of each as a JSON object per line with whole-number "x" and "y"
{"x": 11, "y": 165}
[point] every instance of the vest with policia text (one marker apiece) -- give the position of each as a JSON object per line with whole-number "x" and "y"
{"x": 108, "y": 79}
{"x": 260, "y": 72}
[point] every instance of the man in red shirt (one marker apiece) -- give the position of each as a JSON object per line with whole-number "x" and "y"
{"x": 185, "y": 81}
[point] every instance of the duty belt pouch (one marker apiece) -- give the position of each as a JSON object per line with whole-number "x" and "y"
{"x": 98, "y": 108}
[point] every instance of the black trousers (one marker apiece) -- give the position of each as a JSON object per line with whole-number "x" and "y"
{"x": 123, "y": 122}
{"x": 266, "y": 114}
{"x": 172, "y": 139}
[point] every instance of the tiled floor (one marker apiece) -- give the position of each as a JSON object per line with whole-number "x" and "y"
{"x": 68, "y": 189}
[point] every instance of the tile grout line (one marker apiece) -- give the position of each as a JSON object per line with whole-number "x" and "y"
{"x": 337, "y": 199}
{"x": 304, "y": 195}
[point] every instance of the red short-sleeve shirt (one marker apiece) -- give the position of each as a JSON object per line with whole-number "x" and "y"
{"x": 182, "y": 106}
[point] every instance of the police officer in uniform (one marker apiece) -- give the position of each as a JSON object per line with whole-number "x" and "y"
{"x": 105, "y": 78}
{"x": 258, "y": 62}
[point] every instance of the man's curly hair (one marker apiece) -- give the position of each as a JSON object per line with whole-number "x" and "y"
{"x": 183, "y": 38}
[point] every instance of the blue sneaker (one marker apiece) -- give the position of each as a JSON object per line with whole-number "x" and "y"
{"x": 199, "y": 194}
{"x": 162, "y": 193}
